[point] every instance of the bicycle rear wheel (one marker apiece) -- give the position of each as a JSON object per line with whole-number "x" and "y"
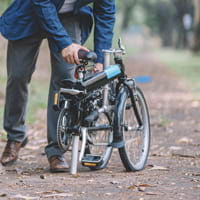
{"x": 99, "y": 142}
{"x": 64, "y": 138}
{"x": 135, "y": 127}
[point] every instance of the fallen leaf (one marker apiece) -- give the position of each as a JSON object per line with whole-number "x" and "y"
{"x": 155, "y": 167}
{"x": 151, "y": 193}
{"x": 140, "y": 186}
{"x": 184, "y": 140}
{"x": 145, "y": 185}
{"x": 108, "y": 194}
{"x": 51, "y": 192}
{"x": 19, "y": 196}
{"x": 3, "y": 195}
{"x": 175, "y": 148}
{"x": 185, "y": 156}
{"x": 132, "y": 187}
{"x": 59, "y": 195}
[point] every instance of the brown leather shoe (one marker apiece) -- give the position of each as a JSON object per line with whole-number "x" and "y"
{"x": 11, "y": 151}
{"x": 58, "y": 164}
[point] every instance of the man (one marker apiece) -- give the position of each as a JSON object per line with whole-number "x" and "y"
{"x": 66, "y": 24}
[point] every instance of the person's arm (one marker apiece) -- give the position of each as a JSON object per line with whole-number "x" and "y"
{"x": 47, "y": 15}
{"x": 104, "y": 16}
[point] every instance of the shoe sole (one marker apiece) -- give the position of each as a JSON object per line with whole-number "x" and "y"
{"x": 58, "y": 170}
{"x": 8, "y": 163}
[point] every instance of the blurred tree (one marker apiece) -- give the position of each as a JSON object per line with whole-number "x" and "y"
{"x": 170, "y": 19}
{"x": 160, "y": 19}
{"x": 127, "y": 8}
{"x": 196, "y": 45}
{"x": 183, "y": 8}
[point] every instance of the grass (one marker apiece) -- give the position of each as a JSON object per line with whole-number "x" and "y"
{"x": 3, "y": 5}
{"x": 37, "y": 100}
{"x": 185, "y": 64}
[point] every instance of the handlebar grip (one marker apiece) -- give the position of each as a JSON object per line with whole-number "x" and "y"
{"x": 85, "y": 55}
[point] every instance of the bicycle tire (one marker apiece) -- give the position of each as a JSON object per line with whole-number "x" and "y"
{"x": 98, "y": 137}
{"x": 134, "y": 157}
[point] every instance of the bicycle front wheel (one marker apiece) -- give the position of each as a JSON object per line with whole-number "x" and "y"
{"x": 135, "y": 127}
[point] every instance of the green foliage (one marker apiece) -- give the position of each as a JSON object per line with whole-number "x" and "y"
{"x": 185, "y": 64}
{"x": 4, "y": 4}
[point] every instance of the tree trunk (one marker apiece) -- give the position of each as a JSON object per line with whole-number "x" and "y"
{"x": 196, "y": 45}
{"x": 127, "y": 13}
{"x": 183, "y": 7}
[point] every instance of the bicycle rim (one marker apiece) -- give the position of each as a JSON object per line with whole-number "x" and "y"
{"x": 137, "y": 137}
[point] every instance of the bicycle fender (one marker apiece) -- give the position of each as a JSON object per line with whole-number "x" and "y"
{"x": 118, "y": 141}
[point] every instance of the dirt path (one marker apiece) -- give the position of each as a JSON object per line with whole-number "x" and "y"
{"x": 173, "y": 169}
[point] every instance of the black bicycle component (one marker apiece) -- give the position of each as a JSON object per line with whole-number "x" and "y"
{"x": 93, "y": 116}
{"x": 103, "y": 127}
{"x": 133, "y": 102}
{"x": 87, "y": 56}
{"x": 118, "y": 141}
{"x": 119, "y": 61}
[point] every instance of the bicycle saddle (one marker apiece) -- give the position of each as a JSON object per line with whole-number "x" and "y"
{"x": 88, "y": 56}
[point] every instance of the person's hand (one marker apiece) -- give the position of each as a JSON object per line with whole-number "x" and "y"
{"x": 70, "y": 53}
{"x": 98, "y": 67}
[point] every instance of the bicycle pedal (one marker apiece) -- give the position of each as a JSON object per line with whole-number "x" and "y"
{"x": 91, "y": 160}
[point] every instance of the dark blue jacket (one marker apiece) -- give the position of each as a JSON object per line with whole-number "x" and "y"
{"x": 25, "y": 18}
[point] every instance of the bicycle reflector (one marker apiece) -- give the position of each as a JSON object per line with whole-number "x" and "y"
{"x": 55, "y": 102}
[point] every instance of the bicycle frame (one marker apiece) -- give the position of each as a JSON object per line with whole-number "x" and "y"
{"x": 106, "y": 107}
